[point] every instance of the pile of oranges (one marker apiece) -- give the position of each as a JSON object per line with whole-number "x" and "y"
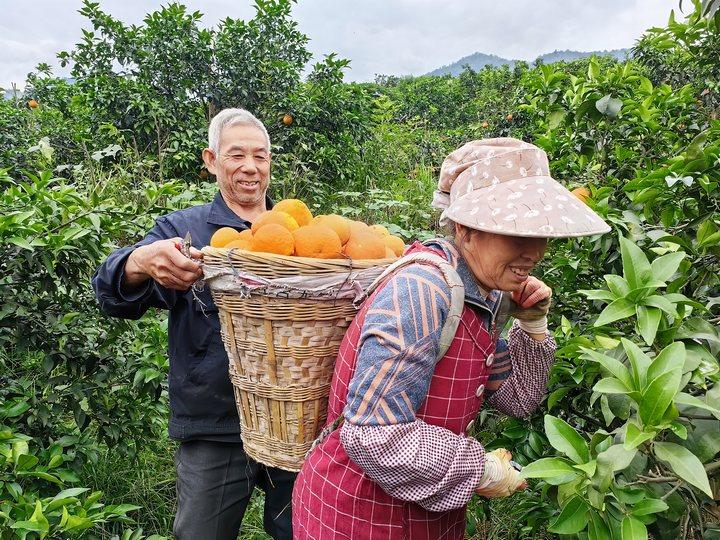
{"x": 290, "y": 229}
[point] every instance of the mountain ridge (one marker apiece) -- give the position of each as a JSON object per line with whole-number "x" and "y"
{"x": 478, "y": 60}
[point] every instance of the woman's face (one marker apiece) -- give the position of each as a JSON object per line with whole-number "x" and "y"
{"x": 499, "y": 262}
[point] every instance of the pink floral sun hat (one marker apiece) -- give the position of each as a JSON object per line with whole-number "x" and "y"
{"x": 504, "y": 186}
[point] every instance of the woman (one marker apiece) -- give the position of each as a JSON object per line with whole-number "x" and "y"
{"x": 398, "y": 461}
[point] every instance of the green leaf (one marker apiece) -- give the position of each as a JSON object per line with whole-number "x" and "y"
{"x": 615, "y": 458}
{"x": 588, "y": 468}
{"x": 597, "y": 528}
{"x": 555, "y": 471}
{"x": 658, "y": 396}
{"x": 599, "y": 294}
{"x": 633, "y": 529}
{"x": 664, "y": 267}
{"x": 636, "y": 267}
{"x": 608, "y": 105}
{"x": 21, "y": 242}
{"x": 15, "y": 409}
{"x": 684, "y": 463}
{"x": 671, "y": 358}
{"x": 634, "y": 436}
{"x": 572, "y": 519}
{"x": 71, "y": 492}
{"x": 39, "y": 518}
{"x": 616, "y": 310}
{"x": 648, "y": 506}
{"x": 613, "y": 366}
{"x": 691, "y": 401}
{"x": 565, "y": 439}
{"x": 27, "y": 526}
{"x": 639, "y": 362}
{"x": 697, "y": 328}
{"x": 555, "y": 118}
{"x": 660, "y": 302}
{"x": 617, "y": 284}
{"x": 648, "y": 320}
{"x": 611, "y": 385}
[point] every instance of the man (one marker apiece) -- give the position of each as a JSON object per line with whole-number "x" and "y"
{"x": 215, "y": 478}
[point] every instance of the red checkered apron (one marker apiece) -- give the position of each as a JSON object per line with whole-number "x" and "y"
{"x": 333, "y": 498}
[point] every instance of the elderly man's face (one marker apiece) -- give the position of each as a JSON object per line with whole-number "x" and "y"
{"x": 242, "y": 166}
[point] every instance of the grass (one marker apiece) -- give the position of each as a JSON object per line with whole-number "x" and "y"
{"x": 149, "y": 482}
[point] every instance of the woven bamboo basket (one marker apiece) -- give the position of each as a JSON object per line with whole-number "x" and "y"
{"x": 282, "y": 350}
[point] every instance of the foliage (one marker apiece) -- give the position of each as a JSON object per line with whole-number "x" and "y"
{"x": 626, "y": 445}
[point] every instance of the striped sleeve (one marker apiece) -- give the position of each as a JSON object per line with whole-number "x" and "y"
{"x": 398, "y": 348}
{"x": 518, "y": 380}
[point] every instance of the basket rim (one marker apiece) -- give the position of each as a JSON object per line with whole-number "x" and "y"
{"x": 243, "y": 254}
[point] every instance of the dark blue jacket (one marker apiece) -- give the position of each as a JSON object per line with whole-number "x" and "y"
{"x": 201, "y": 396}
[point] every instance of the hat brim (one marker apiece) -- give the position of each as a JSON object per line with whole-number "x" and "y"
{"x": 534, "y": 206}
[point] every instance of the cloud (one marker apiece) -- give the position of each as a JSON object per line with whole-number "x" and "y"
{"x": 396, "y": 37}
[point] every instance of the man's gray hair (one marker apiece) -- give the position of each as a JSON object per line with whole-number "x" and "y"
{"x": 232, "y": 117}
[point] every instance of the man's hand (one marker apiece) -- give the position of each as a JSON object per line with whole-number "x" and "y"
{"x": 500, "y": 478}
{"x": 163, "y": 262}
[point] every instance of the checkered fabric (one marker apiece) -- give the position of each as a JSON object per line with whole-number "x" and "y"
{"x": 334, "y": 498}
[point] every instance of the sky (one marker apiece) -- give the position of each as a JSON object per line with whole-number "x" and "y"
{"x": 388, "y": 37}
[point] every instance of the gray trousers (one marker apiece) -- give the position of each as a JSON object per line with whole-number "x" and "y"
{"x": 214, "y": 483}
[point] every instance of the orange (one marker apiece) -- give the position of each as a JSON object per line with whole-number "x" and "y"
{"x": 365, "y": 245}
{"x": 239, "y": 243}
{"x": 509, "y": 117}
{"x": 247, "y": 233}
{"x": 339, "y": 224}
{"x": 379, "y": 230}
{"x": 358, "y": 226}
{"x": 33, "y": 104}
{"x": 273, "y": 238}
{"x": 581, "y": 193}
{"x": 395, "y": 243}
{"x": 484, "y": 124}
{"x": 287, "y": 119}
{"x": 277, "y": 217}
{"x": 222, "y": 236}
{"x": 297, "y": 209}
{"x": 390, "y": 254}
{"x": 318, "y": 241}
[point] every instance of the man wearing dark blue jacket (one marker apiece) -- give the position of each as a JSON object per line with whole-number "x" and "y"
{"x": 215, "y": 478}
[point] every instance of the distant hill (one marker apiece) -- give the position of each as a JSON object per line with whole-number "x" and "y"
{"x": 479, "y": 60}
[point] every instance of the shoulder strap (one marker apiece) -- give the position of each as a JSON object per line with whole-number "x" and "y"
{"x": 452, "y": 278}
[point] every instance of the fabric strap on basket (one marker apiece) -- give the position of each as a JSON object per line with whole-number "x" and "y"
{"x": 457, "y": 303}
{"x": 350, "y": 284}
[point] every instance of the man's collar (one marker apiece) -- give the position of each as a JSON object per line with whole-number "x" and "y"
{"x": 221, "y": 214}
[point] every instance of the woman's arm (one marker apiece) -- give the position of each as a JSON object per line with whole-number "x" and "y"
{"x": 518, "y": 380}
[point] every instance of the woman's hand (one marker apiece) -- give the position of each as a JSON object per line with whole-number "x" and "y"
{"x": 532, "y": 292}
{"x": 532, "y": 303}
{"x": 500, "y": 477}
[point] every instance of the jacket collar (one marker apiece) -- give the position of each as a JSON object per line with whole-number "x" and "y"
{"x": 221, "y": 214}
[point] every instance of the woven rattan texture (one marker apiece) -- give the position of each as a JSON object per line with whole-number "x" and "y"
{"x": 282, "y": 354}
